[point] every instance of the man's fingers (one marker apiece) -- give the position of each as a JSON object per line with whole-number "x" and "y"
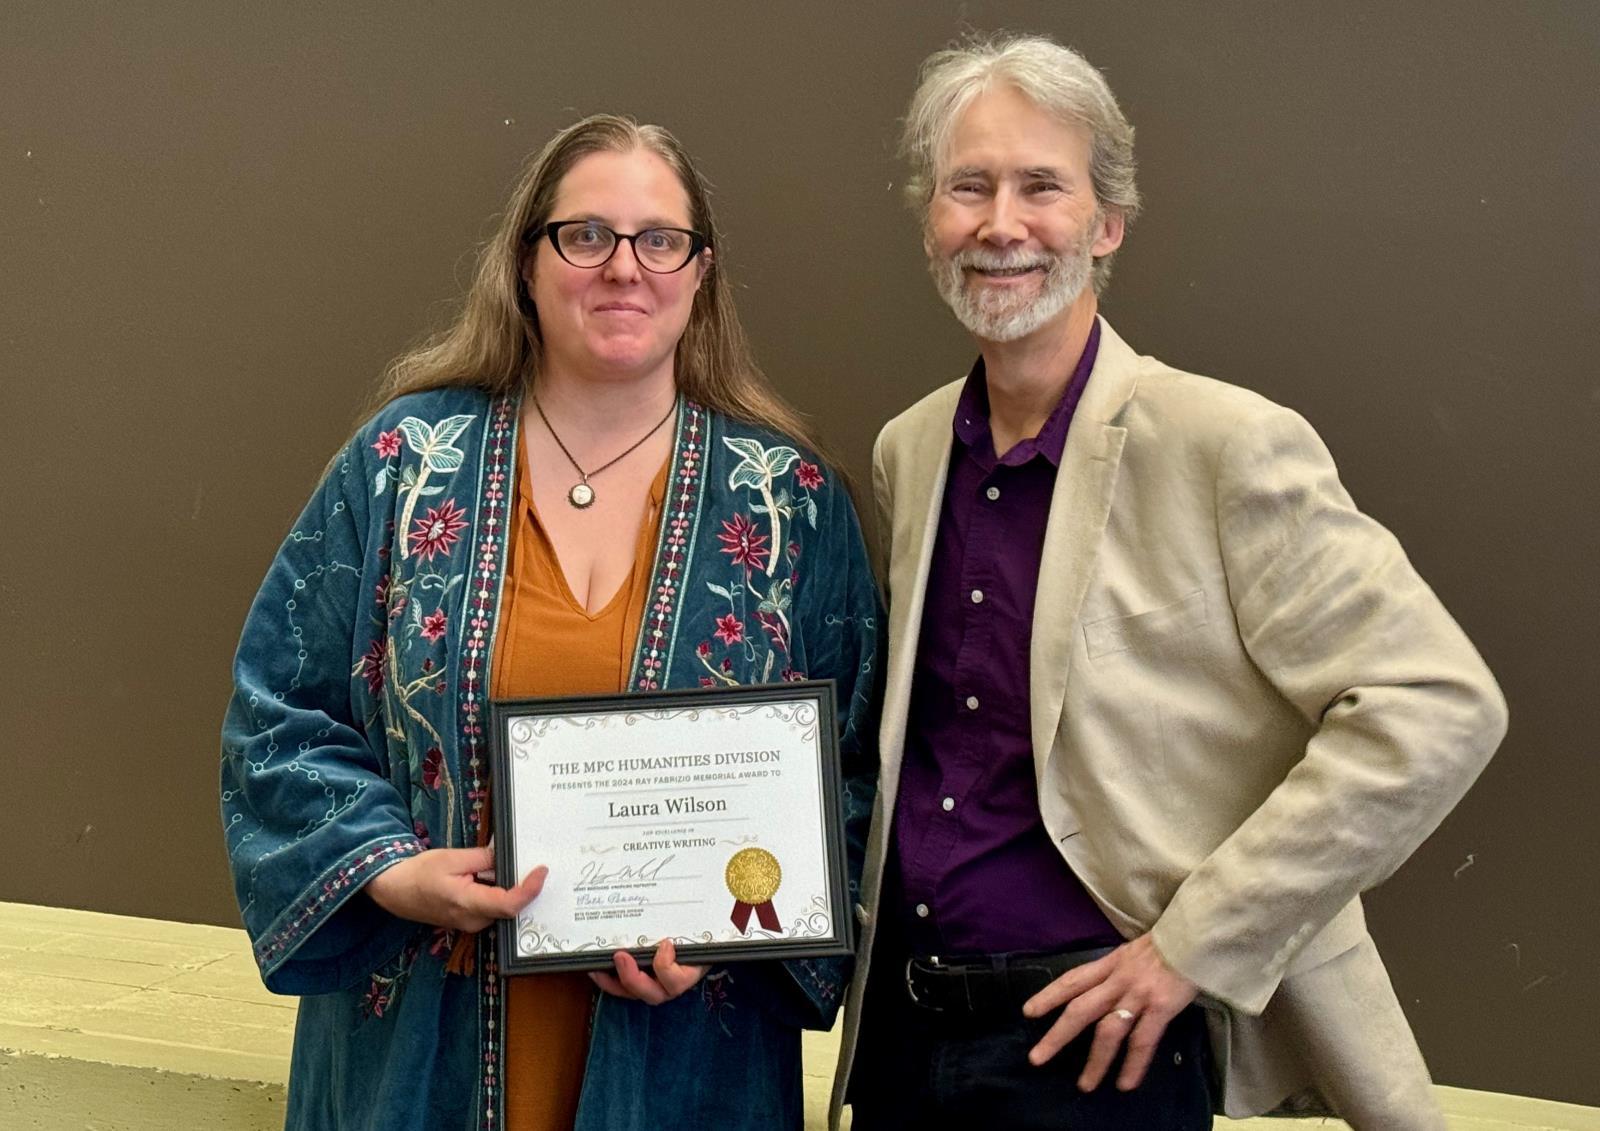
{"x": 1109, "y": 1033}
{"x": 1067, "y": 987}
{"x": 1083, "y": 1011}
{"x": 1055, "y": 1039}
{"x": 1142, "y": 1044}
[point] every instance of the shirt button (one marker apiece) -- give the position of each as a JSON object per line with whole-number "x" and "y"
{"x": 972, "y": 702}
{"x": 921, "y": 910}
{"x": 948, "y": 804}
{"x": 977, "y": 596}
{"x": 993, "y": 493}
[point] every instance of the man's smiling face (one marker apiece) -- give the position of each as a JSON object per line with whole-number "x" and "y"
{"x": 1013, "y": 227}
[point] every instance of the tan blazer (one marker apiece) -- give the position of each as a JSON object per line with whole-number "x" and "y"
{"x": 1247, "y": 709}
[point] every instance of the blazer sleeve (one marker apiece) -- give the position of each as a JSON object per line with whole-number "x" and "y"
{"x": 1405, "y": 713}
{"x": 308, "y": 813}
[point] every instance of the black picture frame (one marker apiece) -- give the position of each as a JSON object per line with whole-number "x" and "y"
{"x": 837, "y": 942}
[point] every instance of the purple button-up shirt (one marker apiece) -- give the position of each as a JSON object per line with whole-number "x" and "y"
{"x": 977, "y": 873}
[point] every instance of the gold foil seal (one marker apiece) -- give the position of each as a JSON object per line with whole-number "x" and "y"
{"x": 753, "y": 876}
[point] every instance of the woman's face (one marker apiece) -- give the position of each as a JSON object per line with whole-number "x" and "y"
{"x": 617, "y": 320}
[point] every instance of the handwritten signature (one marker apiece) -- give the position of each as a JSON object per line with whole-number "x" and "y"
{"x": 593, "y": 874}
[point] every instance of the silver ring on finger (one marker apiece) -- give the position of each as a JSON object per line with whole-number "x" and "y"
{"x": 1124, "y": 1015}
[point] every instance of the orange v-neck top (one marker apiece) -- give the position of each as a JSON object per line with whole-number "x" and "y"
{"x": 549, "y": 645}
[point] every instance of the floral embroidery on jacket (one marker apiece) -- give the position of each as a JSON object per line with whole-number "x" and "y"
{"x": 404, "y": 660}
{"x": 386, "y": 985}
{"x": 439, "y": 531}
{"x": 714, "y": 993}
{"x": 758, "y": 643}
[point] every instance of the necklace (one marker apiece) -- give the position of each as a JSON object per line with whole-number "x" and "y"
{"x": 581, "y": 495}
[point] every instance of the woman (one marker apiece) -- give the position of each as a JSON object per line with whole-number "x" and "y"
{"x": 584, "y": 485}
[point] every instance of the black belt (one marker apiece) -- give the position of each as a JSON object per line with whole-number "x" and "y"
{"x": 993, "y": 984}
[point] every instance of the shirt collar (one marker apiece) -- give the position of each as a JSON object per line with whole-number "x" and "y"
{"x": 972, "y": 413}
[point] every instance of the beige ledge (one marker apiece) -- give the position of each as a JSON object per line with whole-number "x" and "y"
{"x": 113, "y": 1023}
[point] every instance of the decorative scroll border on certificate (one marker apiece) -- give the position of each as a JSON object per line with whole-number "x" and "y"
{"x": 712, "y": 817}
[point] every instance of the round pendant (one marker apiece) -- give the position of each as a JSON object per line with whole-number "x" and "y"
{"x": 581, "y": 495}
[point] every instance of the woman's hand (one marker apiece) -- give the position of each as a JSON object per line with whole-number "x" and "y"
{"x": 671, "y": 979}
{"x": 438, "y": 887}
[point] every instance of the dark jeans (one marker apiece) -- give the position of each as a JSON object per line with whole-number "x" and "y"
{"x": 916, "y": 1069}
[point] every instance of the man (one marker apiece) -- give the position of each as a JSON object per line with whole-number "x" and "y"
{"x": 1161, "y": 702}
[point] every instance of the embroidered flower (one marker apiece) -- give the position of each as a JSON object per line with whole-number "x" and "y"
{"x": 434, "y": 624}
{"x": 794, "y": 551}
{"x": 741, "y": 542}
{"x": 370, "y": 668}
{"x": 727, "y": 665}
{"x": 421, "y": 832}
{"x": 441, "y": 942}
{"x": 730, "y": 630}
{"x": 381, "y": 591}
{"x": 707, "y": 681}
{"x": 389, "y": 444}
{"x": 703, "y": 649}
{"x": 377, "y": 999}
{"x": 774, "y": 628}
{"x": 432, "y": 767}
{"x": 808, "y": 475}
{"x": 440, "y": 530}
{"x": 792, "y": 676}
{"x": 714, "y": 993}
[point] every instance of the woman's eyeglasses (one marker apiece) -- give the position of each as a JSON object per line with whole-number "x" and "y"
{"x": 585, "y": 243}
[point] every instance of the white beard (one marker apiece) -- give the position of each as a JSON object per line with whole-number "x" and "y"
{"x": 998, "y": 316}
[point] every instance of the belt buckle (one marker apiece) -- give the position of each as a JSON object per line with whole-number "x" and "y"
{"x": 911, "y": 990}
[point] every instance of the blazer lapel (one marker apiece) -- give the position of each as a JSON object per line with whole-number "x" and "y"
{"x": 1079, "y": 507}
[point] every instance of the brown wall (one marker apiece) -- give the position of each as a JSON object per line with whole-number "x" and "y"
{"x": 217, "y": 221}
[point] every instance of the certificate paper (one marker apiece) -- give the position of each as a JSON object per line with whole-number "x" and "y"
{"x": 709, "y": 817}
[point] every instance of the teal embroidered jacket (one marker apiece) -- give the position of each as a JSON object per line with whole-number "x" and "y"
{"x": 357, "y": 736}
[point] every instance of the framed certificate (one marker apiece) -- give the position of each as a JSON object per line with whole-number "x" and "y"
{"x": 710, "y": 817}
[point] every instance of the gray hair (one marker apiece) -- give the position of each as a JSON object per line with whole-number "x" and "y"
{"x": 1056, "y": 79}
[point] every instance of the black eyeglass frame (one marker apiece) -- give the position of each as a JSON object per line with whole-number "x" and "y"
{"x": 697, "y": 244}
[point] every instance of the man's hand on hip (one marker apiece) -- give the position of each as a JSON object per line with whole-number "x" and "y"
{"x": 1129, "y": 995}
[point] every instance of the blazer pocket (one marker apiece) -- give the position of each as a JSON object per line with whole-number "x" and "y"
{"x": 1142, "y": 630}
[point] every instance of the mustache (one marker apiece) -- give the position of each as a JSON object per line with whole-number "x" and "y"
{"x": 984, "y": 259}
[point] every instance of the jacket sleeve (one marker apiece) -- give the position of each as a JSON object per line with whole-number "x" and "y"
{"x": 841, "y": 615}
{"x": 1405, "y": 714}
{"x": 308, "y": 813}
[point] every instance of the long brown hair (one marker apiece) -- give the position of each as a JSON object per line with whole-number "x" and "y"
{"x": 494, "y": 344}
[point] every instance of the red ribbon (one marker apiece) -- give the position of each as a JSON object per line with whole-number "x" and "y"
{"x": 765, "y": 915}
